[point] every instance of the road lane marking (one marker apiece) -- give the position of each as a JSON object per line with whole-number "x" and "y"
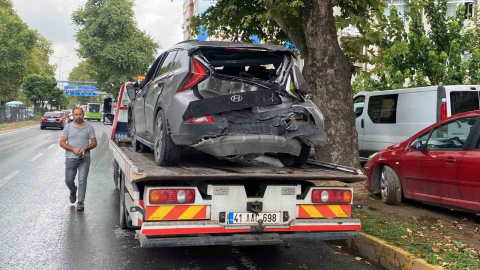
{"x": 36, "y": 157}
{"x": 51, "y": 146}
{"x": 9, "y": 177}
{"x": 17, "y": 130}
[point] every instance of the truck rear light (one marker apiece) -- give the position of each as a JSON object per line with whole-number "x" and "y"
{"x": 172, "y": 196}
{"x": 197, "y": 74}
{"x": 200, "y": 120}
{"x": 443, "y": 111}
{"x": 337, "y": 196}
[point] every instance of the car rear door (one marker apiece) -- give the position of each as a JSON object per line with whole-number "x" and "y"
{"x": 155, "y": 88}
{"x": 470, "y": 173}
{"x": 432, "y": 175}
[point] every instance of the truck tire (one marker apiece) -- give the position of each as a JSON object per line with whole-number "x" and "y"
{"x": 116, "y": 174}
{"x": 390, "y": 186}
{"x": 123, "y": 211}
{"x": 289, "y": 160}
{"x": 165, "y": 151}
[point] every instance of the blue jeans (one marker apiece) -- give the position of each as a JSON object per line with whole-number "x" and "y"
{"x": 71, "y": 167}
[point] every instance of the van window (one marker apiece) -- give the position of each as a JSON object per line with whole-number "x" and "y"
{"x": 451, "y": 136}
{"x": 383, "y": 109}
{"x": 463, "y": 101}
{"x": 358, "y": 105}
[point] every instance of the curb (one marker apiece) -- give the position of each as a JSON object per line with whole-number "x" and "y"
{"x": 386, "y": 255}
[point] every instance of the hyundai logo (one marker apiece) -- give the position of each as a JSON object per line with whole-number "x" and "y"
{"x": 236, "y": 98}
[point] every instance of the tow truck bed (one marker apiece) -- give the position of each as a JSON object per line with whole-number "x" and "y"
{"x": 198, "y": 166}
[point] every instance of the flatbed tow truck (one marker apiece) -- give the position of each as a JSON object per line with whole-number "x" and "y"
{"x": 205, "y": 201}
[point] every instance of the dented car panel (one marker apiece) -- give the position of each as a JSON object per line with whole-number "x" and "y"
{"x": 236, "y": 100}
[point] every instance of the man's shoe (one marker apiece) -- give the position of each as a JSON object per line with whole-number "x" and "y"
{"x": 80, "y": 207}
{"x": 73, "y": 196}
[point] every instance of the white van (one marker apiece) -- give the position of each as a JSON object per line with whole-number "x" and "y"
{"x": 384, "y": 118}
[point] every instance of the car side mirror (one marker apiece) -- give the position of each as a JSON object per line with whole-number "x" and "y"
{"x": 131, "y": 92}
{"x": 419, "y": 146}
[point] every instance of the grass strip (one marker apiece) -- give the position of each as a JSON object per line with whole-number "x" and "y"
{"x": 414, "y": 238}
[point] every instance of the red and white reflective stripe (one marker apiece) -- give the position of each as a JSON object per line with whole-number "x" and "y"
{"x": 171, "y": 230}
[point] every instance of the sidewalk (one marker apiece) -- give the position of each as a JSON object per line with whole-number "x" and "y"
{"x": 17, "y": 125}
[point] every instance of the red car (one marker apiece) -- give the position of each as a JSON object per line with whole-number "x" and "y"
{"x": 439, "y": 165}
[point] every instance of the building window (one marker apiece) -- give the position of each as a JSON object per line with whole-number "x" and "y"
{"x": 400, "y": 5}
{"x": 452, "y": 6}
{"x": 383, "y": 109}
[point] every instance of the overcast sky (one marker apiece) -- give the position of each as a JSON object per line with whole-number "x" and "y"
{"x": 161, "y": 19}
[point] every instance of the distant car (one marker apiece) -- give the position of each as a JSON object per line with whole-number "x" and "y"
{"x": 53, "y": 119}
{"x": 439, "y": 165}
{"x": 230, "y": 100}
{"x": 67, "y": 115}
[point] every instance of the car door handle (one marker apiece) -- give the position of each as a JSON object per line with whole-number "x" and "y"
{"x": 450, "y": 160}
{"x": 362, "y": 123}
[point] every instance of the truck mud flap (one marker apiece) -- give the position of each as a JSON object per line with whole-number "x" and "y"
{"x": 209, "y": 106}
{"x": 244, "y": 239}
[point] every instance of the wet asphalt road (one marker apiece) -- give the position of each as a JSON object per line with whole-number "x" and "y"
{"x": 40, "y": 229}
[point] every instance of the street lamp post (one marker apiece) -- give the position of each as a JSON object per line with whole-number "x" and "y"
{"x": 60, "y": 68}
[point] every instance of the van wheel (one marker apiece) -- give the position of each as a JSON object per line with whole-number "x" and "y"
{"x": 289, "y": 160}
{"x": 390, "y": 186}
{"x": 165, "y": 151}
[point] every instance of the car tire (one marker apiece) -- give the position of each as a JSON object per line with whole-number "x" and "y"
{"x": 390, "y": 186}
{"x": 165, "y": 151}
{"x": 42, "y": 127}
{"x": 289, "y": 160}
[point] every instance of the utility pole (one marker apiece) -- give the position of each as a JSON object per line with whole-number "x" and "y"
{"x": 60, "y": 69}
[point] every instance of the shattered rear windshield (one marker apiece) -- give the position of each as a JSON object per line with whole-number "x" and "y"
{"x": 245, "y": 63}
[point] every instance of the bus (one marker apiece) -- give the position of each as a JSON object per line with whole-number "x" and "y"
{"x": 93, "y": 112}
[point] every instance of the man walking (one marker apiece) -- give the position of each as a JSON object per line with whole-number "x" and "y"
{"x": 78, "y": 139}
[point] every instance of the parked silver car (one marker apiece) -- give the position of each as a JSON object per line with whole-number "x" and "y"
{"x": 230, "y": 100}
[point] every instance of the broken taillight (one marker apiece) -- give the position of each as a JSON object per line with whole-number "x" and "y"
{"x": 443, "y": 111}
{"x": 200, "y": 120}
{"x": 197, "y": 74}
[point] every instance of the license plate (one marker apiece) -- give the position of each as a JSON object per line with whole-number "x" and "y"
{"x": 253, "y": 218}
{"x": 51, "y": 120}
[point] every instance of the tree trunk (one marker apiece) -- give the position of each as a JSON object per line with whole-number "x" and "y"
{"x": 328, "y": 74}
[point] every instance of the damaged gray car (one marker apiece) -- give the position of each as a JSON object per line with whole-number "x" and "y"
{"x": 230, "y": 100}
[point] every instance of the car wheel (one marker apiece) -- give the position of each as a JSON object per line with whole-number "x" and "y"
{"x": 42, "y": 127}
{"x": 289, "y": 160}
{"x": 390, "y": 186}
{"x": 165, "y": 151}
